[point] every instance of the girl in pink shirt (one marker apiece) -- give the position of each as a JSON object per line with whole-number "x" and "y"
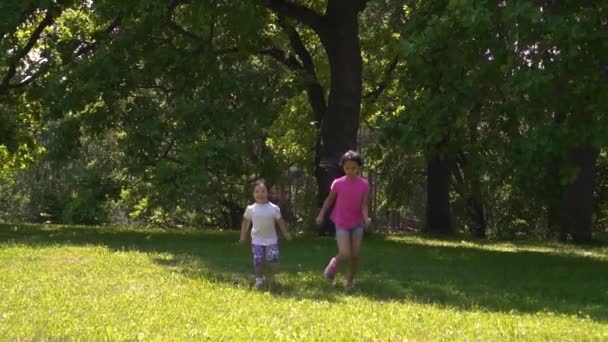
{"x": 350, "y": 214}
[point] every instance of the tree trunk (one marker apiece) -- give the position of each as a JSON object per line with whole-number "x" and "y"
{"x": 340, "y": 124}
{"x": 338, "y": 30}
{"x": 577, "y": 197}
{"x": 438, "y": 215}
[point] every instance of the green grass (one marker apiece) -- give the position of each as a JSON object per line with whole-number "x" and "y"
{"x": 108, "y": 283}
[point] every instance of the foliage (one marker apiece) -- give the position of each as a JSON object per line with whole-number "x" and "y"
{"x": 508, "y": 70}
{"x": 164, "y": 112}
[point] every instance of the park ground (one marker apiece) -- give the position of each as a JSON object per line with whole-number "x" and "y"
{"x": 117, "y": 283}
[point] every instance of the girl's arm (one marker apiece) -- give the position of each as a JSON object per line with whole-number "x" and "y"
{"x": 284, "y": 229}
{"x": 365, "y": 209}
{"x": 329, "y": 201}
{"x": 244, "y": 229}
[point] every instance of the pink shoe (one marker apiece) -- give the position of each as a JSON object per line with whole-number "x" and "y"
{"x": 330, "y": 270}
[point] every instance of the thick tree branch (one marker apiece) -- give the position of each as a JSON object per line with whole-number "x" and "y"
{"x": 316, "y": 94}
{"x": 48, "y": 20}
{"x": 82, "y": 50}
{"x": 283, "y": 57}
{"x": 198, "y": 39}
{"x": 339, "y": 8}
{"x": 300, "y": 49}
{"x": 300, "y": 13}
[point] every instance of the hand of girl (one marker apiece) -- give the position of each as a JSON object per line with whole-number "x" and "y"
{"x": 319, "y": 219}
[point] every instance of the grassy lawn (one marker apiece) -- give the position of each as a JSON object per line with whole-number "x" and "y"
{"x": 109, "y": 283}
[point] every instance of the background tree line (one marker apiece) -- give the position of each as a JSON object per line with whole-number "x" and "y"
{"x": 478, "y": 116}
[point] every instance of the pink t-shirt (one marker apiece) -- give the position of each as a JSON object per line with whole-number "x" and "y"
{"x": 350, "y": 192}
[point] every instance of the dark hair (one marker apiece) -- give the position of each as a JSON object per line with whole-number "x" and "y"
{"x": 263, "y": 182}
{"x": 351, "y": 155}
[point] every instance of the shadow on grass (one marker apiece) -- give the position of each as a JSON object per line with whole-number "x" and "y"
{"x": 466, "y": 278}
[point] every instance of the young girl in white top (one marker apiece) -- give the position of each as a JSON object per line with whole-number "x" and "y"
{"x": 264, "y": 241}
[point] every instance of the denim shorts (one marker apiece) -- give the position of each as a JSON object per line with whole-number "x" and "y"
{"x": 357, "y": 231}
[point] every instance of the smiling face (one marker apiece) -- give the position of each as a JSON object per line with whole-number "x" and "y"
{"x": 260, "y": 193}
{"x": 351, "y": 168}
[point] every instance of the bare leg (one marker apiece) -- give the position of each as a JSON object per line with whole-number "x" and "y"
{"x": 259, "y": 270}
{"x": 344, "y": 249}
{"x": 258, "y": 261}
{"x": 354, "y": 257}
{"x": 343, "y": 256}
